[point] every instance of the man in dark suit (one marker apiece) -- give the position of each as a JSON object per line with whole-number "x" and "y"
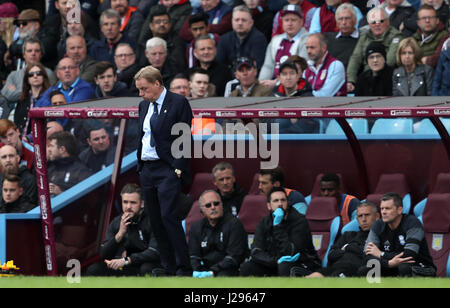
{"x": 161, "y": 173}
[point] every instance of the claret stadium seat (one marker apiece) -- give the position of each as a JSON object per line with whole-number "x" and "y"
{"x": 394, "y": 182}
{"x": 324, "y": 223}
{"x": 253, "y": 208}
{"x": 194, "y": 215}
{"x": 254, "y": 188}
{"x": 436, "y": 222}
{"x": 201, "y": 182}
{"x": 442, "y": 185}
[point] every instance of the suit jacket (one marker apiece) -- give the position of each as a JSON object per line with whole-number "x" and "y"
{"x": 175, "y": 109}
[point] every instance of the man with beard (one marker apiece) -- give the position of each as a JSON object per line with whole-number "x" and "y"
{"x": 9, "y": 163}
{"x": 129, "y": 248}
{"x": 283, "y": 244}
{"x": 13, "y": 200}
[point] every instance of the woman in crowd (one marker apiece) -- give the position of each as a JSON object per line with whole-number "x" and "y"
{"x": 35, "y": 83}
{"x": 411, "y": 78}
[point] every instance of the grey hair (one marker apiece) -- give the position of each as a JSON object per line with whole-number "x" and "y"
{"x": 154, "y": 42}
{"x": 345, "y": 6}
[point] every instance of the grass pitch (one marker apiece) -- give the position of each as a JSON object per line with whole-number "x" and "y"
{"x": 192, "y": 283}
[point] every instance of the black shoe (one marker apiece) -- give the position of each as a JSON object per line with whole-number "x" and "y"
{"x": 160, "y": 272}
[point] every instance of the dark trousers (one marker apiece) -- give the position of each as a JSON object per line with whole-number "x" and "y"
{"x": 161, "y": 188}
{"x": 101, "y": 269}
{"x": 285, "y": 269}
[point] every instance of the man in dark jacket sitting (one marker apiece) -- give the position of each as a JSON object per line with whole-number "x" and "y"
{"x": 64, "y": 168}
{"x": 218, "y": 242}
{"x": 283, "y": 244}
{"x": 129, "y": 248}
{"x": 346, "y": 256}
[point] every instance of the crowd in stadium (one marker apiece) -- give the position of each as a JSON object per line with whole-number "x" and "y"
{"x": 85, "y": 49}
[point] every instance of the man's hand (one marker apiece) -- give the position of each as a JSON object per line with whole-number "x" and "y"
{"x": 54, "y": 189}
{"x": 373, "y": 250}
{"x": 278, "y": 215}
{"x": 397, "y": 260}
{"x": 268, "y": 83}
{"x": 115, "y": 264}
{"x": 350, "y": 87}
{"x": 124, "y": 222}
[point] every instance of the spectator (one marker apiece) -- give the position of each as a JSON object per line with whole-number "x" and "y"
{"x": 441, "y": 83}
{"x": 127, "y": 67}
{"x": 244, "y": 41}
{"x": 13, "y": 200}
{"x": 156, "y": 53}
{"x": 441, "y": 8}
{"x": 398, "y": 242}
{"x": 199, "y": 84}
{"x": 411, "y": 78}
{"x": 28, "y": 24}
{"x": 205, "y": 50}
{"x": 381, "y": 31}
{"x": 398, "y": 11}
{"x": 270, "y": 178}
{"x": 324, "y": 19}
{"x": 198, "y": 25}
{"x": 246, "y": 73}
{"x": 161, "y": 26}
{"x": 282, "y": 244}
{"x": 431, "y": 34}
{"x": 70, "y": 84}
{"x": 306, "y": 6}
{"x": 219, "y": 18}
{"x": 342, "y": 43}
{"x": 35, "y": 83}
{"x": 100, "y": 153}
{"x": 291, "y": 81}
{"x": 262, "y": 17}
{"x": 330, "y": 186}
{"x": 218, "y": 242}
{"x": 325, "y": 73}
{"x": 10, "y": 164}
{"x": 10, "y": 135}
{"x": 178, "y": 10}
{"x": 230, "y": 192}
{"x": 32, "y": 53}
{"x": 105, "y": 48}
{"x": 75, "y": 28}
{"x": 56, "y": 26}
{"x": 292, "y": 84}
{"x": 376, "y": 81}
{"x": 292, "y": 42}
{"x": 77, "y": 50}
{"x": 106, "y": 81}
{"x": 346, "y": 256}
{"x": 87, "y": 6}
{"x": 129, "y": 248}
{"x": 180, "y": 85}
{"x": 64, "y": 168}
{"x": 131, "y": 17}
{"x": 8, "y": 15}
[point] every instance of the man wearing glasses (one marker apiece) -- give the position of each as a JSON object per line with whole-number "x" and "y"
{"x": 218, "y": 242}
{"x": 381, "y": 31}
{"x": 70, "y": 84}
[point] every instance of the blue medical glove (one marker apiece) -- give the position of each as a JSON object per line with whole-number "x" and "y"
{"x": 289, "y": 258}
{"x": 278, "y": 215}
{"x": 196, "y": 274}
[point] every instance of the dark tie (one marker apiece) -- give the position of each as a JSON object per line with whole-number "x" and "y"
{"x": 153, "y": 121}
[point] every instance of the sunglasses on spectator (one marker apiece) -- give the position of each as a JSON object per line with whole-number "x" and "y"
{"x": 38, "y": 73}
{"x": 24, "y": 23}
{"x": 373, "y": 22}
{"x": 215, "y": 203}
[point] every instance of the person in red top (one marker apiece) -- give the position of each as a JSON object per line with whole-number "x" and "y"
{"x": 10, "y": 135}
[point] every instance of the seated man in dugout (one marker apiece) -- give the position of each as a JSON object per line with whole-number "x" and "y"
{"x": 218, "y": 242}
